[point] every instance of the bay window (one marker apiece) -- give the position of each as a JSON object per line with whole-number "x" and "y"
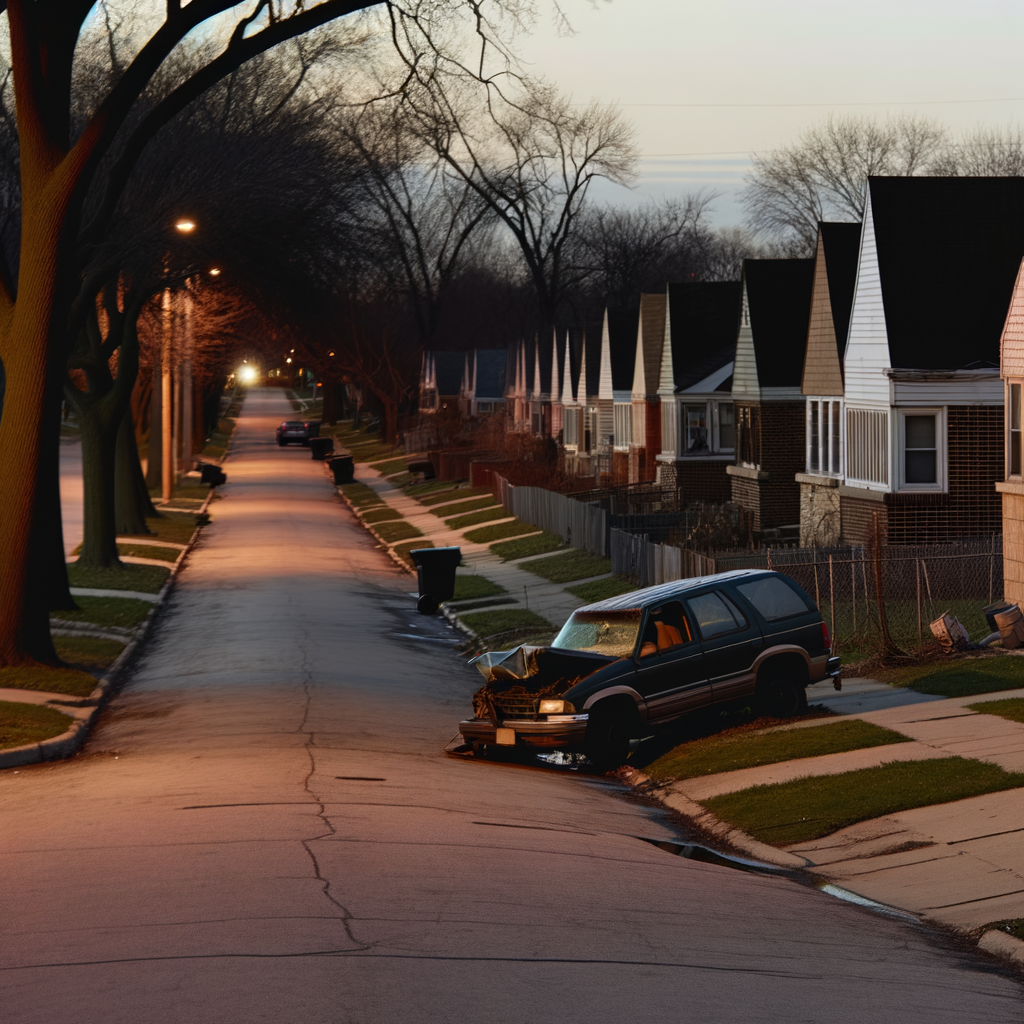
{"x": 824, "y": 451}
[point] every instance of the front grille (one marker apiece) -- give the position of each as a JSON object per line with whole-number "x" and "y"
{"x": 516, "y": 706}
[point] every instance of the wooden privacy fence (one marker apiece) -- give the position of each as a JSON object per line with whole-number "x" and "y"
{"x": 581, "y": 525}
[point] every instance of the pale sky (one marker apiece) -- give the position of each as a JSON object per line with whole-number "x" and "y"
{"x": 774, "y": 67}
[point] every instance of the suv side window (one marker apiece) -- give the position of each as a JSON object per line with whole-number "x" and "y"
{"x": 774, "y": 598}
{"x": 667, "y": 627}
{"x": 716, "y": 614}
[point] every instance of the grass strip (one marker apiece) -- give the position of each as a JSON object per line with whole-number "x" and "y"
{"x": 71, "y": 681}
{"x": 599, "y": 590}
{"x": 390, "y": 466}
{"x": 539, "y": 544}
{"x": 87, "y": 652}
{"x": 107, "y": 611}
{"x": 429, "y": 487}
{"x": 396, "y": 530}
{"x": 474, "y": 518}
{"x": 29, "y": 723}
{"x": 360, "y": 495}
{"x": 963, "y": 677}
{"x": 402, "y": 550}
{"x": 469, "y": 587}
{"x": 499, "y": 531}
{"x": 729, "y": 753}
{"x": 487, "y": 624}
{"x": 573, "y": 564}
{"x": 400, "y": 479}
{"x": 145, "y": 579}
{"x": 149, "y": 551}
{"x": 173, "y": 526}
{"x": 450, "y": 494}
{"x": 380, "y": 515}
{"x": 794, "y": 812}
{"x": 1011, "y": 709}
{"x": 460, "y": 507}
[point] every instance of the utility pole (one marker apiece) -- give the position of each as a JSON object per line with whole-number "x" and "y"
{"x": 167, "y": 453}
{"x": 187, "y": 385}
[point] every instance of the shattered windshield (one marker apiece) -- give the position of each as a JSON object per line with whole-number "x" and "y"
{"x": 611, "y": 633}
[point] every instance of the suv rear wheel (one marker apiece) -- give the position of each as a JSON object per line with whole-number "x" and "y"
{"x": 608, "y": 733}
{"x": 780, "y": 692}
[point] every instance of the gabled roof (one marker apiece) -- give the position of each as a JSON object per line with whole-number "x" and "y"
{"x": 702, "y": 321}
{"x": 588, "y": 342}
{"x": 622, "y": 331}
{"x": 448, "y": 367}
{"x": 779, "y": 301}
{"x": 650, "y": 341}
{"x": 840, "y": 244}
{"x": 948, "y": 254}
{"x": 542, "y": 364}
{"x": 558, "y": 342}
{"x": 491, "y": 366}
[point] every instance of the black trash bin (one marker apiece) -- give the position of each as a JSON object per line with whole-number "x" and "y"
{"x": 435, "y": 570}
{"x": 343, "y": 468}
{"x": 211, "y": 474}
{"x": 321, "y": 447}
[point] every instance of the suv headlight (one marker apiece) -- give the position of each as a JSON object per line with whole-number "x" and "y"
{"x": 556, "y": 707}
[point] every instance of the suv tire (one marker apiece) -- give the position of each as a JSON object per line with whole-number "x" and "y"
{"x": 780, "y": 694}
{"x": 607, "y": 741}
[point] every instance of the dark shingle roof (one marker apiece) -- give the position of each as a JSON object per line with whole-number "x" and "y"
{"x": 560, "y": 334}
{"x": 543, "y": 345}
{"x": 490, "y": 373}
{"x": 841, "y": 244}
{"x": 622, "y": 331}
{"x": 448, "y": 367}
{"x": 779, "y": 298}
{"x": 592, "y": 339}
{"x": 705, "y": 318}
{"x": 948, "y": 253}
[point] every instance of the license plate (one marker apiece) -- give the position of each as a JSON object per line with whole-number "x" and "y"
{"x": 505, "y": 737}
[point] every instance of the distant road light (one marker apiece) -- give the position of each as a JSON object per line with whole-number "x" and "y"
{"x": 186, "y": 227}
{"x": 214, "y": 271}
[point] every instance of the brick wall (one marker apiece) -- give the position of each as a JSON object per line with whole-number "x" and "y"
{"x": 747, "y": 493}
{"x": 697, "y": 480}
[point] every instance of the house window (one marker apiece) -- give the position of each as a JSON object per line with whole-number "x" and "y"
{"x": 726, "y": 426}
{"x": 747, "y": 430}
{"x": 572, "y": 428}
{"x": 483, "y": 406}
{"x": 867, "y": 445}
{"x": 921, "y": 461}
{"x": 1013, "y": 462}
{"x": 695, "y": 440}
{"x": 668, "y": 427}
{"x": 623, "y": 425}
{"x": 823, "y": 436}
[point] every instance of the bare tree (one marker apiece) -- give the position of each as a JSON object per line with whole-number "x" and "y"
{"x": 984, "y": 152}
{"x": 824, "y": 174}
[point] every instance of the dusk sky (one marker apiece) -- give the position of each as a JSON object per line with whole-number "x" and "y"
{"x": 737, "y": 76}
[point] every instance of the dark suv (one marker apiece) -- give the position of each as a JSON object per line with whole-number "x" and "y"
{"x": 622, "y": 667}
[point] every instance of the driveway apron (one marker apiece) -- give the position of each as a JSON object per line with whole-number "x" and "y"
{"x": 265, "y": 828}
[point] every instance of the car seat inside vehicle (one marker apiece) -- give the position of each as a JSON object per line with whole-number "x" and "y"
{"x": 667, "y": 627}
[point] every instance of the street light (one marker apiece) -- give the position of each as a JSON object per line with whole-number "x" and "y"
{"x": 214, "y": 271}
{"x": 185, "y": 226}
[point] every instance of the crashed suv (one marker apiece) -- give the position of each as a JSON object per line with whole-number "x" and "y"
{"x": 621, "y": 668}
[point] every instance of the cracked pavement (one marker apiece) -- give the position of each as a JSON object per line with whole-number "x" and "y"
{"x": 264, "y": 827}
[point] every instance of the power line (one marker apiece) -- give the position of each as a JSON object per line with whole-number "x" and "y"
{"x": 873, "y": 103}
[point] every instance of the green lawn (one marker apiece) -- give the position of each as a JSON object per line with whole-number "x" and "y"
{"x": 29, "y": 723}
{"x": 71, "y": 681}
{"x": 573, "y": 564}
{"x": 1011, "y": 709}
{"x": 728, "y": 752}
{"x": 469, "y": 587}
{"x": 960, "y": 677}
{"x": 390, "y": 466}
{"x": 380, "y": 515}
{"x": 461, "y": 507}
{"x": 145, "y": 579}
{"x": 487, "y": 624}
{"x": 173, "y": 526}
{"x": 499, "y": 531}
{"x": 598, "y": 590}
{"x": 396, "y": 530}
{"x": 107, "y": 611}
{"x": 360, "y": 495}
{"x": 432, "y": 488}
{"x": 794, "y": 812}
{"x": 149, "y": 551}
{"x": 123, "y": 611}
{"x": 451, "y": 493}
{"x": 87, "y": 652}
{"x": 484, "y": 516}
{"x": 539, "y": 544}
{"x": 402, "y": 550}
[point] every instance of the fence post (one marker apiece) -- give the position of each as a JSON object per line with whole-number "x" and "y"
{"x": 832, "y": 599}
{"x": 917, "y": 564}
{"x": 853, "y": 591}
{"x": 883, "y": 624}
{"x": 817, "y": 591}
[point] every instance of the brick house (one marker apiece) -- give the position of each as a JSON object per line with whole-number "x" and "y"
{"x": 835, "y": 275}
{"x": 1011, "y": 369}
{"x": 923, "y": 441}
{"x": 645, "y": 434}
{"x": 618, "y": 348}
{"x": 769, "y": 406}
{"x": 582, "y": 417}
{"x": 694, "y": 389}
{"x": 559, "y": 365}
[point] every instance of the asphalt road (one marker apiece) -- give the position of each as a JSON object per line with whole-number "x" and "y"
{"x": 265, "y": 828}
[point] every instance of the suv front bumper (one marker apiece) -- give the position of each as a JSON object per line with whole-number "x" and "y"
{"x": 552, "y": 733}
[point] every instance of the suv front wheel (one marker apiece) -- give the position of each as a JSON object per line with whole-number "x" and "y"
{"x": 607, "y": 741}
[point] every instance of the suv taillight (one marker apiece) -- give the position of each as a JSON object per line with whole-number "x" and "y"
{"x": 825, "y": 637}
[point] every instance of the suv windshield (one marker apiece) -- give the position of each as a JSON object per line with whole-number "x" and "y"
{"x": 611, "y": 633}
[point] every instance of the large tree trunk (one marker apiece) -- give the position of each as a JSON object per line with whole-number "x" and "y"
{"x": 132, "y": 504}
{"x": 99, "y": 438}
{"x": 154, "y": 468}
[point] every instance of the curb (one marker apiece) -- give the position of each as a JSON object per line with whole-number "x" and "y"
{"x": 68, "y": 743}
{"x": 380, "y": 540}
{"x": 1001, "y": 944}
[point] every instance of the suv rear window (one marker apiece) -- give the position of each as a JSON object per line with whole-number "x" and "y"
{"x": 774, "y": 598}
{"x": 715, "y": 615}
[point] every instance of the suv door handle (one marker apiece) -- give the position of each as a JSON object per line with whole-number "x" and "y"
{"x": 758, "y": 641}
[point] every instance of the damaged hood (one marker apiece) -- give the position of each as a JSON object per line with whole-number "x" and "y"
{"x": 542, "y": 666}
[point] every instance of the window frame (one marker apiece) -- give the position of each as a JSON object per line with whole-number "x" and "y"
{"x": 881, "y": 455}
{"x": 1011, "y": 430}
{"x": 831, "y": 443}
{"x": 939, "y": 412}
{"x": 622, "y": 414}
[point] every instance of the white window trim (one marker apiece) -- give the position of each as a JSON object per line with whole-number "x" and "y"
{"x": 939, "y": 412}
{"x": 1008, "y": 426}
{"x": 711, "y": 407}
{"x": 717, "y": 446}
{"x": 823, "y": 402}
{"x": 622, "y": 411}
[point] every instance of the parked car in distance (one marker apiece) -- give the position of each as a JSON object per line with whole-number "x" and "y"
{"x": 297, "y": 432}
{"x": 622, "y": 668}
